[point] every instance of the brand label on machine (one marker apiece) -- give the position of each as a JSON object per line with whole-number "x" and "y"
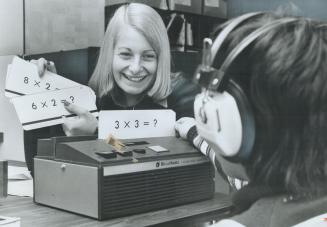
{"x": 145, "y": 166}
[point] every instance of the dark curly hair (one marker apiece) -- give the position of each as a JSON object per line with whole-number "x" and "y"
{"x": 284, "y": 74}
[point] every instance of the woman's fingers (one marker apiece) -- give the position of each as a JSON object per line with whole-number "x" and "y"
{"x": 43, "y": 64}
{"x": 84, "y": 124}
{"x": 40, "y": 67}
{"x": 183, "y": 125}
{"x": 50, "y": 66}
{"x": 66, "y": 126}
{"x": 74, "y": 109}
{"x": 73, "y": 126}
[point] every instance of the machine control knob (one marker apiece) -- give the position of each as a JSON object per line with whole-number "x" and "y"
{"x": 63, "y": 167}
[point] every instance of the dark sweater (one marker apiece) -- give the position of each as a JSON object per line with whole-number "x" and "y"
{"x": 280, "y": 211}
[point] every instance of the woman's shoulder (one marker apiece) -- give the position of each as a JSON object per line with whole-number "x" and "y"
{"x": 176, "y": 77}
{"x": 183, "y": 92}
{"x": 182, "y": 83}
{"x": 105, "y": 102}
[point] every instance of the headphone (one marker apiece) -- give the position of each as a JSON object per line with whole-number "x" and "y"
{"x": 223, "y": 113}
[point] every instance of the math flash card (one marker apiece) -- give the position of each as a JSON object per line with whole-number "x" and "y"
{"x": 132, "y": 124}
{"x": 23, "y": 79}
{"x": 47, "y": 108}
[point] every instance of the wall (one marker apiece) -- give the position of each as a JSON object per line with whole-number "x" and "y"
{"x": 315, "y": 9}
{"x": 50, "y": 26}
{"x": 55, "y": 25}
{"x": 11, "y": 27}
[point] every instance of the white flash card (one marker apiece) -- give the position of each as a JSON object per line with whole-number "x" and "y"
{"x": 133, "y": 124}
{"x": 23, "y": 79}
{"x": 47, "y": 108}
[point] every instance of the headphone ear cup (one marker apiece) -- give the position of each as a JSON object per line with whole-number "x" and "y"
{"x": 218, "y": 121}
{"x": 226, "y": 122}
{"x": 247, "y": 121}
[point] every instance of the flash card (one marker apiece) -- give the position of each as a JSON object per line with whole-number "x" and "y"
{"x": 132, "y": 124}
{"x": 23, "y": 79}
{"x": 46, "y": 108}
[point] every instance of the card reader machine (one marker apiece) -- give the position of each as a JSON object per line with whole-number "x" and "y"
{"x": 85, "y": 175}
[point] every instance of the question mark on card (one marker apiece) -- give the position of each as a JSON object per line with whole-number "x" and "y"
{"x": 155, "y": 122}
{"x": 71, "y": 98}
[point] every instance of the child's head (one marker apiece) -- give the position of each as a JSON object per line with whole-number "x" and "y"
{"x": 284, "y": 75}
{"x": 288, "y": 90}
{"x": 149, "y": 43}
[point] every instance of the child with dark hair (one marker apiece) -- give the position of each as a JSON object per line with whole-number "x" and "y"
{"x": 283, "y": 73}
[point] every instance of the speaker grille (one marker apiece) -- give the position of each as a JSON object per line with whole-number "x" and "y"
{"x": 144, "y": 191}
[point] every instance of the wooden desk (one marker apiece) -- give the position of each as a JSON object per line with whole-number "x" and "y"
{"x": 35, "y": 215}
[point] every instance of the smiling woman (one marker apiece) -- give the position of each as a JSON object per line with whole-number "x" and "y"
{"x": 134, "y": 64}
{"x": 132, "y": 73}
{"x": 134, "y": 61}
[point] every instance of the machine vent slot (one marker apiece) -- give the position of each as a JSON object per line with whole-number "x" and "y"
{"x": 157, "y": 189}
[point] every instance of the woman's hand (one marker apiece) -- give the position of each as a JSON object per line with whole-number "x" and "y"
{"x": 84, "y": 124}
{"x": 183, "y": 125}
{"x": 42, "y": 65}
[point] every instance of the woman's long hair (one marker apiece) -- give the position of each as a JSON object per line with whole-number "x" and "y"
{"x": 148, "y": 22}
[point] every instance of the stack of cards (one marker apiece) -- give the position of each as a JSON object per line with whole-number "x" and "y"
{"x": 39, "y": 100}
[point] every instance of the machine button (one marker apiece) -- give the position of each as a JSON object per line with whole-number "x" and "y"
{"x": 63, "y": 167}
{"x": 139, "y": 150}
{"x": 158, "y": 149}
{"x": 106, "y": 154}
{"x": 124, "y": 154}
{"x": 135, "y": 143}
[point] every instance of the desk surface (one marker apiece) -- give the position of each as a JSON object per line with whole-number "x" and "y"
{"x": 35, "y": 215}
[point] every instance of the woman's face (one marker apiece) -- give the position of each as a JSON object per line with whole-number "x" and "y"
{"x": 134, "y": 62}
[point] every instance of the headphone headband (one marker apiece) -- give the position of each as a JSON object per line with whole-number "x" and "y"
{"x": 227, "y": 30}
{"x": 203, "y": 73}
{"x": 220, "y": 77}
